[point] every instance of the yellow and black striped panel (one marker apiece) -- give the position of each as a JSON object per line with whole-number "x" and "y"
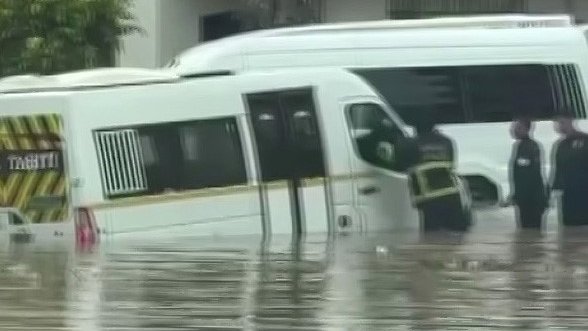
{"x": 33, "y": 176}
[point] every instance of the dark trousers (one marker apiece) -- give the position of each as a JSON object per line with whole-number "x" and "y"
{"x": 444, "y": 213}
{"x": 574, "y": 208}
{"x": 530, "y": 217}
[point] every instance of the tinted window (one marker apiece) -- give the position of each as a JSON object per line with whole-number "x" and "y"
{"x": 211, "y": 154}
{"x": 497, "y": 92}
{"x": 493, "y": 93}
{"x": 304, "y": 138}
{"x": 411, "y": 90}
{"x": 377, "y": 139}
{"x": 188, "y": 155}
{"x": 164, "y": 166}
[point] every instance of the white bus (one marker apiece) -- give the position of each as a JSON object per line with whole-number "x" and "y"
{"x": 133, "y": 150}
{"x": 476, "y": 72}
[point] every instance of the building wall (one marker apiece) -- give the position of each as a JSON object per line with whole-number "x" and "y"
{"x": 142, "y": 50}
{"x": 180, "y": 23}
{"x": 170, "y": 27}
{"x": 579, "y": 8}
{"x": 174, "y": 25}
{"x": 353, "y": 10}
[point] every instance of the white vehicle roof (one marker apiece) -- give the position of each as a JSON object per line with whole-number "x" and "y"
{"x": 100, "y": 77}
{"x": 188, "y": 97}
{"x": 493, "y": 30}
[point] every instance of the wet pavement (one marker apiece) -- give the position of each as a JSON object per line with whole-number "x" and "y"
{"x": 494, "y": 278}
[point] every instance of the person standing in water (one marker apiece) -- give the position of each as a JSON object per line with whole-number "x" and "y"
{"x": 526, "y": 179}
{"x": 434, "y": 184}
{"x": 570, "y": 173}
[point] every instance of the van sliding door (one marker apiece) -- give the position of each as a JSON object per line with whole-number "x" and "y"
{"x": 290, "y": 160}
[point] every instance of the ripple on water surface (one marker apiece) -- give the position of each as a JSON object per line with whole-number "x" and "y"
{"x": 483, "y": 281}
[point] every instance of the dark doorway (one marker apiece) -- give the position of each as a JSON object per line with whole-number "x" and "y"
{"x": 219, "y": 25}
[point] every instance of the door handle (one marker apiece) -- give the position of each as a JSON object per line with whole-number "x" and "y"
{"x": 368, "y": 190}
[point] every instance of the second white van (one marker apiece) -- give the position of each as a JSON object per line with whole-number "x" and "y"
{"x": 477, "y": 73}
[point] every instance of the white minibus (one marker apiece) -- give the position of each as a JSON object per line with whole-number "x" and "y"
{"x": 477, "y": 73}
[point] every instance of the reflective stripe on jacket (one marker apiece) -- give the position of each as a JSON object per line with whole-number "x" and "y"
{"x": 431, "y": 180}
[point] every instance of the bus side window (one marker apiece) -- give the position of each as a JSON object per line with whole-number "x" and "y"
{"x": 171, "y": 157}
{"x": 375, "y": 135}
{"x": 480, "y": 93}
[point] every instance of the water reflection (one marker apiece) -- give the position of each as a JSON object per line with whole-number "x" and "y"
{"x": 530, "y": 280}
{"x": 33, "y": 289}
{"x": 570, "y": 298}
{"x": 510, "y": 281}
{"x": 290, "y": 288}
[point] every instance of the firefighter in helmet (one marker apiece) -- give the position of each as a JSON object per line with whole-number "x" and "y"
{"x": 434, "y": 185}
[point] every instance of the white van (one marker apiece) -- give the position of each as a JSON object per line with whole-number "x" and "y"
{"x": 136, "y": 150}
{"x": 477, "y": 72}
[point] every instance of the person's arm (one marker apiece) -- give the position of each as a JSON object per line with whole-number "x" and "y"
{"x": 556, "y": 171}
{"x": 540, "y": 159}
{"x": 509, "y": 199}
{"x": 556, "y": 178}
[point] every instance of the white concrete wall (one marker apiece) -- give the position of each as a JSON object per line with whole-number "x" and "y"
{"x": 171, "y": 26}
{"x": 142, "y": 50}
{"x": 354, "y": 10}
{"x": 180, "y": 23}
{"x": 174, "y": 25}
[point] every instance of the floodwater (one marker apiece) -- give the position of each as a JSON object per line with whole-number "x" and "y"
{"x": 494, "y": 278}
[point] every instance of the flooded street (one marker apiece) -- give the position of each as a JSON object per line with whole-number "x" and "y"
{"x": 494, "y": 278}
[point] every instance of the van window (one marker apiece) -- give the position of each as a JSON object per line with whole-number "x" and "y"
{"x": 410, "y": 90}
{"x": 478, "y": 94}
{"x": 211, "y": 154}
{"x": 376, "y": 137}
{"x": 179, "y": 156}
{"x": 498, "y": 92}
{"x": 120, "y": 161}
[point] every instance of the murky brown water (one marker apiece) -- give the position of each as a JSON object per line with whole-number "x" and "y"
{"x": 492, "y": 279}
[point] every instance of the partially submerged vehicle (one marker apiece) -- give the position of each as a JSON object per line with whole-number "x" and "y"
{"x": 132, "y": 150}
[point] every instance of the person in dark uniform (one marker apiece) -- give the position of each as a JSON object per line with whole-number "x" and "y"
{"x": 527, "y": 186}
{"x": 433, "y": 182}
{"x": 570, "y": 175}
